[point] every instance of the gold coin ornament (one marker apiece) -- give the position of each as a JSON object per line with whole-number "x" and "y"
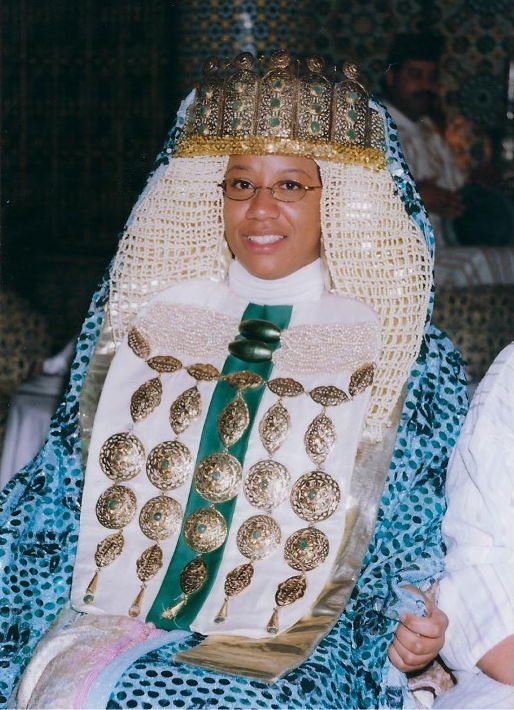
{"x": 266, "y": 484}
{"x": 116, "y": 506}
{"x": 205, "y": 530}
{"x": 122, "y": 457}
{"x": 160, "y": 517}
{"x": 185, "y": 409}
{"x": 258, "y": 537}
{"x": 320, "y": 438}
{"x": 274, "y": 427}
{"x": 218, "y": 477}
{"x": 169, "y": 465}
{"x": 315, "y": 496}
{"x": 145, "y": 399}
{"x": 233, "y": 421}
{"x": 306, "y": 549}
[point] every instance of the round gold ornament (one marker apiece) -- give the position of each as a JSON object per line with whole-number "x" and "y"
{"x": 306, "y": 549}
{"x": 160, "y": 517}
{"x": 218, "y": 477}
{"x": 122, "y": 457}
{"x": 205, "y": 530}
{"x": 315, "y": 496}
{"x": 116, "y": 506}
{"x": 266, "y": 484}
{"x": 169, "y": 465}
{"x": 258, "y": 537}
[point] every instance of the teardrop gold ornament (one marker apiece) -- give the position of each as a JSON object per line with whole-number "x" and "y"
{"x": 306, "y": 549}
{"x": 274, "y": 427}
{"x": 185, "y": 409}
{"x": 135, "y": 608}
{"x": 203, "y": 372}
{"x": 169, "y": 465}
{"x": 149, "y": 563}
{"x": 328, "y": 396}
{"x": 138, "y": 343}
{"x": 315, "y": 496}
{"x": 361, "y": 379}
{"x": 272, "y": 625}
{"x": 244, "y": 380}
{"x": 285, "y": 387}
{"x": 164, "y": 363}
{"x": 233, "y": 421}
{"x": 122, "y": 457}
{"x": 160, "y": 517}
{"x": 218, "y": 477}
{"x": 89, "y": 596}
{"x": 222, "y": 613}
{"x": 205, "y": 530}
{"x": 174, "y": 610}
{"x": 116, "y": 506}
{"x": 193, "y": 576}
{"x": 320, "y": 438}
{"x": 266, "y": 484}
{"x": 109, "y": 549}
{"x": 145, "y": 399}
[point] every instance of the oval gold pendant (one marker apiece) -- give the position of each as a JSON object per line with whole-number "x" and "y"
{"x": 164, "y": 363}
{"x": 274, "y": 427}
{"x": 266, "y": 484}
{"x": 203, "y": 372}
{"x": 185, "y": 409}
{"x": 160, "y": 517}
{"x": 218, "y": 477}
{"x": 205, "y": 530}
{"x": 258, "y": 537}
{"x": 109, "y": 549}
{"x": 233, "y": 421}
{"x": 244, "y": 380}
{"x": 320, "y": 438}
{"x": 328, "y": 396}
{"x": 138, "y": 343}
{"x": 290, "y": 590}
{"x": 306, "y": 549}
{"x": 285, "y": 387}
{"x": 315, "y": 496}
{"x": 122, "y": 457}
{"x": 145, "y": 399}
{"x": 193, "y": 576}
{"x": 361, "y": 379}
{"x": 169, "y": 465}
{"x": 238, "y": 579}
{"x": 149, "y": 563}
{"x": 116, "y": 506}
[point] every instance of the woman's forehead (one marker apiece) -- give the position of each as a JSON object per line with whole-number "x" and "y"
{"x": 275, "y": 163}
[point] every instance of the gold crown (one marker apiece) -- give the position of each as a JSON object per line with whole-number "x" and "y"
{"x": 287, "y": 108}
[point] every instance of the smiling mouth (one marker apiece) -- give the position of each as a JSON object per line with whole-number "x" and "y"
{"x": 265, "y": 238}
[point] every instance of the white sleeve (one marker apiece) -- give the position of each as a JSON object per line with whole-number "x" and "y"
{"x": 477, "y": 592}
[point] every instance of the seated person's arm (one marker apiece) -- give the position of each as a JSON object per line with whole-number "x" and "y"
{"x": 498, "y": 663}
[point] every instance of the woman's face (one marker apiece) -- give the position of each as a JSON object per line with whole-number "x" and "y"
{"x": 270, "y": 238}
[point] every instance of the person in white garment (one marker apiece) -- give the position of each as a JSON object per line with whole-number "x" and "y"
{"x": 477, "y": 591}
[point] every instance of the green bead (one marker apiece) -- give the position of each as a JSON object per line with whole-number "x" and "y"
{"x": 353, "y": 115}
{"x": 157, "y": 516}
{"x": 164, "y": 465}
{"x": 316, "y": 108}
{"x": 89, "y": 599}
{"x": 215, "y": 475}
{"x": 314, "y": 126}
{"x": 236, "y": 105}
{"x": 311, "y": 495}
{"x": 275, "y": 103}
{"x": 112, "y": 504}
{"x": 235, "y": 123}
{"x": 274, "y": 121}
{"x": 277, "y": 84}
{"x": 303, "y": 545}
{"x": 264, "y": 484}
{"x": 258, "y": 329}
{"x": 250, "y": 350}
{"x": 256, "y": 534}
{"x": 351, "y": 133}
{"x": 201, "y": 528}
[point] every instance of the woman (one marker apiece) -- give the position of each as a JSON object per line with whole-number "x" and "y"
{"x": 264, "y": 476}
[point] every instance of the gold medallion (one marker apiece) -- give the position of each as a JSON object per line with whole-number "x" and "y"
{"x": 186, "y": 408}
{"x": 116, "y": 506}
{"x": 306, "y": 549}
{"x": 315, "y": 496}
{"x": 164, "y": 363}
{"x": 244, "y": 380}
{"x": 320, "y": 438}
{"x": 285, "y": 387}
{"x": 145, "y": 399}
{"x": 122, "y": 457}
{"x": 328, "y": 396}
{"x": 205, "y": 530}
{"x": 203, "y": 372}
{"x": 233, "y": 421}
{"x": 109, "y": 549}
{"x": 138, "y": 343}
{"x": 266, "y": 484}
{"x": 169, "y": 465}
{"x": 218, "y": 477}
{"x": 361, "y": 379}
{"x": 258, "y": 537}
{"x": 274, "y": 427}
{"x": 160, "y": 517}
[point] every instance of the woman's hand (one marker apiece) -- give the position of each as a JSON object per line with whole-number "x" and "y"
{"x": 418, "y": 639}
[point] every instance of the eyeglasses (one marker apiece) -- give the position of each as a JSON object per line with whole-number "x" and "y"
{"x": 283, "y": 190}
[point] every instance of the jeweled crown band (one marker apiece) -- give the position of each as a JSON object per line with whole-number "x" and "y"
{"x": 288, "y": 107}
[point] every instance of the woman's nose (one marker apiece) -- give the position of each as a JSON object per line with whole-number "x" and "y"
{"x": 263, "y": 205}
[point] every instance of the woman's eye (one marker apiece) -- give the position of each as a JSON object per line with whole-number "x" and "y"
{"x": 289, "y": 185}
{"x": 241, "y": 184}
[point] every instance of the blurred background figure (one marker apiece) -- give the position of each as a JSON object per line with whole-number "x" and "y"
{"x": 464, "y": 208}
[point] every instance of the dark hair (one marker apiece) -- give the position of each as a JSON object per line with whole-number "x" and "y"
{"x": 423, "y": 46}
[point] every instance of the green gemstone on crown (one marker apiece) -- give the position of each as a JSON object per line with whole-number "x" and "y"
{"x": 314, "y": 126}
{"x": 317, "y": 88}
{"x": 277, "y": 84}
{"x": 202, "y": 110}
{"x": 275, "y": 103}
{"x": 351, "y": 133}
{"x": 236, "y": 105}
{"x": 235, "y": 123}
{"x": 274, "y": 121}
{"x": 353, "y": 115}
